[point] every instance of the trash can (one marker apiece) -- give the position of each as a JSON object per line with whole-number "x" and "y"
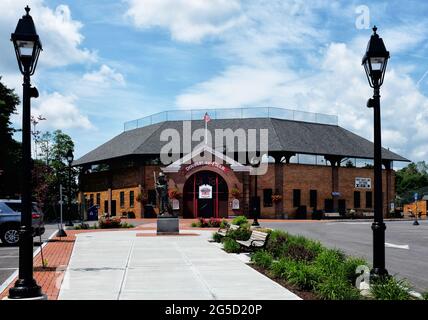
{"x": 149, "y": 211}
{"x": 93, "y": 213}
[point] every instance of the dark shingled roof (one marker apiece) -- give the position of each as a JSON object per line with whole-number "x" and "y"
{"x": 284, "y": 135}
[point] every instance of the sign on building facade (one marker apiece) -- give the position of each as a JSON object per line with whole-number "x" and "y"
{"x": 205, "y": 191}
{"x": 363, "y": 183}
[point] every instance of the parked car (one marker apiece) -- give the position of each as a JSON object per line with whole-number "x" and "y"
{"x": 10, "y": 221}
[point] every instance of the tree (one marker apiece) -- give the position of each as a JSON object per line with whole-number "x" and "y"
{"x": 10, "y": 150}
{"x": 411, "y": 178}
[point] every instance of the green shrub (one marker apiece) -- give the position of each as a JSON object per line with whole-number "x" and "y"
{"x": 330, "y": 261}
{"x": 262, "y": 259}
{"x": 425, "y": 295}
{"x": 298, "y": 273}
{"x": 231, "y": 246}
{"x": 126, "y": 225}
{"x": 280, "y": 268}
{"x": 194, "y": 224}
{"x": 240, "y": 220}
{"x": 224, "y": 224}
{"x": 350, "y": 267}
{"x": 277, "y": 243}
{"x": 243, "y": 233}
{"x": 296, "y": 251}
{"x": 216, "y": 237}
{"x": 390, "y": 288}
{"x": 336, "y": 287}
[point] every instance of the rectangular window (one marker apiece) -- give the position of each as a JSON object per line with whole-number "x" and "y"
{"x": 91, "y": 199}
{"x": 369, "y": 199}
{"x": 313, "y": 198}
{"x": 357, "y": 199}
{"x": 131, "y": 199}
{"x": 151, "y": 197}
{"x": 267, "y": 197}
{"x": 122, "y": 199}
{"x": 296, "y": 197}
{"x": 98, "y": 199}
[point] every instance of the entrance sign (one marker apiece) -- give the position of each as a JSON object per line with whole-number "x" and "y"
{"x": 363, "y": 183}
{"x": 235, "y": 204}
{"x": 175, "y": 204}
{"x": 205, "y": 191}
{"x": 205, "y": 163}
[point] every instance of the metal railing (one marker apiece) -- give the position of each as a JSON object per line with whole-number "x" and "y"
{"x": 232, "y": 113}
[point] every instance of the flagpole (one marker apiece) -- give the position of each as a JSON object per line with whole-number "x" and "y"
{"x": 206, "y": 131}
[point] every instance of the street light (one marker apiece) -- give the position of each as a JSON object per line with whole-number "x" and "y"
{"x": 69, "y": 158}
{"x": 374, "y": 62}
{"x": 27, "y": 49}
{"x": 255, "y": 204}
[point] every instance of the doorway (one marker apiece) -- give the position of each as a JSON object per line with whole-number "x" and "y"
{"x": 205, "y": 194}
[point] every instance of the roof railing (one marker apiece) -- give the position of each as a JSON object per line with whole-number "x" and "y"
{"x": 232, "y": 113}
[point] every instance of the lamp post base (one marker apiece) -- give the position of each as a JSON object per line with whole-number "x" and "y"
{"x": 255, "y": 223}
{"x": 25, "y": 289}
{"x": 377, "y": 274}
{"x": 61, "y": 233}
{"x": 415, "y": 223}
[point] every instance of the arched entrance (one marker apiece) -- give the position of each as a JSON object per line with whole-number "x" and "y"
{"x": 208, "y": 204}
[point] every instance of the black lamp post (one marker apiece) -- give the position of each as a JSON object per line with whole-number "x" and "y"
{"x": 70, "y": 158}
{"x": 255, "y": 204}
{"x": 27, "y": 49}
{"x": 375, "y": 61}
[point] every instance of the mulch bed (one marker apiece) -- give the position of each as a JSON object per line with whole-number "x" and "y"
{"x": 305, "y": 295}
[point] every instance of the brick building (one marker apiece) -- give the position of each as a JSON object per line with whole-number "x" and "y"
{"x": 311, "y": 166}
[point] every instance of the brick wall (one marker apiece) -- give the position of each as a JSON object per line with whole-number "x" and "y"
{"x": 294, "y": 176}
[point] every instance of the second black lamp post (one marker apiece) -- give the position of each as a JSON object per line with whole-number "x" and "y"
{"x": 70, "y": 158}
{"x": 374, "y": 62}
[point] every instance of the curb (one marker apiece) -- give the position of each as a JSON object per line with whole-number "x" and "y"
{"x": 12, "y": 277}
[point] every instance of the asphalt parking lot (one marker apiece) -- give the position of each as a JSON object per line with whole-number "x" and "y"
{"x": 406, "y": 245}
{"x": 9, "y": 255}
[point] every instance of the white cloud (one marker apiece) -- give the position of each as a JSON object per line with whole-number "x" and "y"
{"x": 60, "y": 34}
{"x": 105, "y": 76}
{"x": 60, "y": 111}
{"x": 187, "y": 20}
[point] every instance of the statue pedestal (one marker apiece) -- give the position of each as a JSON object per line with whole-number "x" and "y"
{"x": 167, "y": 225}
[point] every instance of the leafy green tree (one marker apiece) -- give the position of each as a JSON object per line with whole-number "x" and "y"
{"x": 10, "y": 150}
{"x": 412, "y": 177}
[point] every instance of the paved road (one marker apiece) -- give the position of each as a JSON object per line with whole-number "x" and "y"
{"x": 9, "y": 255}
{"x": 355, "y": 238}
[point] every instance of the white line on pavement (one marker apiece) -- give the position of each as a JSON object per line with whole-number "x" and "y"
{"x": 398, "y": 246}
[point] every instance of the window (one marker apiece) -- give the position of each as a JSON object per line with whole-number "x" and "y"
{"x": 151, "y": 195}
{"x": 369, "y": 199}
{"x": 91, "y": 199}
{"x": 98, "y": 199}
{"x": 122, "y": 199}
{"x": 131, "y": 199}
{"x": 313, "y": 198}
{"x": 267, "y": 197}
{"x": 296, "y": 197}
{"x": 357, "y": 199}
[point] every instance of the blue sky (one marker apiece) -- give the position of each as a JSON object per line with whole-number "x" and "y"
{"x": 107, "y": 62}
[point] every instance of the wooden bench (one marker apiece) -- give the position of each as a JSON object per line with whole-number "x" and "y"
{"x": 257, "y": 240}
{"x": 223, "y": 231}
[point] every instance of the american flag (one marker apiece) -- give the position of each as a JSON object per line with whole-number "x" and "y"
{"x": 207, "y": 117}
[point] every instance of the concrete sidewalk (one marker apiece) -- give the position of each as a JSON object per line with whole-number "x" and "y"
{"x": 121, "y": 265}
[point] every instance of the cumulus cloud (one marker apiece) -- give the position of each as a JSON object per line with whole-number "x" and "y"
{"x": 273, "y": 74}
{"x": 105, "y": 76}
{"x": 60, "y": 111}
{"x": 60, "y": 34}
{"x": 187, "y": 20}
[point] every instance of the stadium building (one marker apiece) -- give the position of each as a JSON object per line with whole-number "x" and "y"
{"x": 310, "y": 165}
